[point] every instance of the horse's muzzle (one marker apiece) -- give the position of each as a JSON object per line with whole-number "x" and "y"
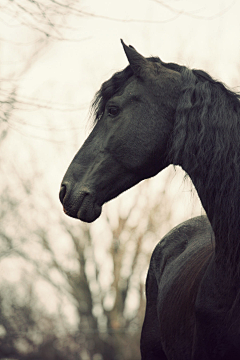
{"x": 79, "y": 204}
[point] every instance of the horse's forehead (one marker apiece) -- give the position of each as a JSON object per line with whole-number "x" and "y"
{"x": 133, "y": 86}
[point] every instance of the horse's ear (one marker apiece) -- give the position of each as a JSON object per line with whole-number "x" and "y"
{"x": 137, "y": 62}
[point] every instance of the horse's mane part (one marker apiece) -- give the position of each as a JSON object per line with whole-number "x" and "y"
{"x": 206, "y": 143}
{"x": 204, "y": 104}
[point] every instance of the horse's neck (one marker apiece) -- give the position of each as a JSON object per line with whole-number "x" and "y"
{"x": 218, "y": 299}
{"x": 223, "y": 216}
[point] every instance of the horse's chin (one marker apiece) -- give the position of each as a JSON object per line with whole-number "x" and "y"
{"x": 89, "y": 210}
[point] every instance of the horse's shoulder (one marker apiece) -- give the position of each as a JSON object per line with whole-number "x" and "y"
{"x": 177, "y": 267}
{"x": 190, "y": 235}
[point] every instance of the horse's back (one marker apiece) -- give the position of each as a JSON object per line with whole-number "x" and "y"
{"x": 176, "y": 269}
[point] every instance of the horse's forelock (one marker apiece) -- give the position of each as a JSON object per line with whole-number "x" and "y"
{"x": 108, "y": 89}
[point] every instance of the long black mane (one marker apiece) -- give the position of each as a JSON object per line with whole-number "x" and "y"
{"x": 206, "y": 143}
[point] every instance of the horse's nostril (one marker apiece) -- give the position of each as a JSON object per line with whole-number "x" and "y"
{"x": 62, "y": 193}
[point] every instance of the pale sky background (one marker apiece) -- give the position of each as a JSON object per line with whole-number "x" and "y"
{"x": 66, "y": 74}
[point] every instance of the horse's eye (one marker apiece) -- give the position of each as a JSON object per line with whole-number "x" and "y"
{"x": 113, "y": 111}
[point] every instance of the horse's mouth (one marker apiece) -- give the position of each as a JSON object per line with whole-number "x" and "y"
{"x": 88, "y": 210}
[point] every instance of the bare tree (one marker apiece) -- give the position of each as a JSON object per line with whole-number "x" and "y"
{"x": 39, "y": 24}
{"x": 101, "y": 277}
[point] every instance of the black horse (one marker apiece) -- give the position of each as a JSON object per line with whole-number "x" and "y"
{"x": 148, "y": 116}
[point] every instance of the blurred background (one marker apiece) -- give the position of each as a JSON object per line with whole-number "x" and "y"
{"x": 69, "y": 290}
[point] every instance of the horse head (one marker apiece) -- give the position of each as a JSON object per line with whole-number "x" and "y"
{"x": 130, "y": 139}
